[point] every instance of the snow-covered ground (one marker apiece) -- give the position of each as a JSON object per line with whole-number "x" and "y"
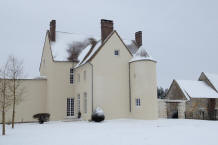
{"x": 114, "y": 132}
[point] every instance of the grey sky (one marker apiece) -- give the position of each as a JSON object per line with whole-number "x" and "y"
{"x": 182, "y": 35}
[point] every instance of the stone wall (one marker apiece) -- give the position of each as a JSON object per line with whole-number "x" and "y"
{"x": 181, "y": 110}
{"x": 162, "y": 108}
{"x": 197, "y": 108}
{"x": 175, "y": 93}
{"x": 168, "y": 107}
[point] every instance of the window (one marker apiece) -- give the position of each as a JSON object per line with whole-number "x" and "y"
{"x": 138, "y": 102}
{"x": 71, "y": 75}
{"x": 70, "y": 106}
{"x": 78, "y": 77}
{"x": 78, "y": 101}
{"x": 85, "y": 103}
{"x": 84, "y": 75}
{"x": 116, "y": 52}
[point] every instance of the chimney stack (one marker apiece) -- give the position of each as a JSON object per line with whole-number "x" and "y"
{"x": 106, "y": 28}
{"x": 52, "y": 30}
{"x": 138, "y": 38}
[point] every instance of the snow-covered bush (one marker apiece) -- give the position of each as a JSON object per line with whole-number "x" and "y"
{"x": 98, "y": 115}
{"x": 42, "y": 117}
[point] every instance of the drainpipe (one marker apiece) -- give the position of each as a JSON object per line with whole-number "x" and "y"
{"x": 92, "y": 84}
{"x": 130, "y": 103}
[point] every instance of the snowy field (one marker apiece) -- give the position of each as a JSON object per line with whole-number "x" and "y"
{"x": 114, "y": 132}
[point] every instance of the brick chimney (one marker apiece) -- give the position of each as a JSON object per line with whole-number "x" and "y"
{"x": 106, "y": 28}
{"x": 52, "y": 30}
{"x": 138, "y": 38}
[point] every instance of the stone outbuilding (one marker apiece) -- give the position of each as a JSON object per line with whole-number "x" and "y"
{"x": 193, "y": 99}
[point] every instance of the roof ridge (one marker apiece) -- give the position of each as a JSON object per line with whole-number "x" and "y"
{"x": 211, "y": 73}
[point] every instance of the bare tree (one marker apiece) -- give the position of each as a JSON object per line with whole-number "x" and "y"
{"x": 5, "y": 97}
{"x": 15, "y": 73}
{"x": 76, "y": 47}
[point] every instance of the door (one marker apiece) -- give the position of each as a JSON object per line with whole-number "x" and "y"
{"x": 70, "y": 107}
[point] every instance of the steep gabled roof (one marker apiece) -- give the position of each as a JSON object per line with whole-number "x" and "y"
{"x": 64, "y": 39}
{"x": 213, "y": 79}
{"x": 196, "y": 89}
{"x": 93, "y": 52}
{"x": 131, "y": 45}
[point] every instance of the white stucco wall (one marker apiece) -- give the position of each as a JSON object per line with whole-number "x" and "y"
{"x": 32, "y": 101}
{"x": 84, "y": 85}
{"x": 111, "y": 79}
{"x": 144, "y": 86}
{"x": 58, "y": 83}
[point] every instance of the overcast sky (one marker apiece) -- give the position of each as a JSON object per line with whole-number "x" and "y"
{"x": 182, "y": 35}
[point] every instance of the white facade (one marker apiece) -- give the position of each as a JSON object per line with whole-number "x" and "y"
{"x": 106, "y": 76}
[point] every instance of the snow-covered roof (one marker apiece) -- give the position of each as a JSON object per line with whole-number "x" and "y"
{"x": 33, "y": 78}
{"x": 62, "y": 42}
{"x": 196, "y": 89}
{"x": 131, "y": 45}
{"x": 213, "y": 78}
{"x": 141, "y": 54}
{"x": 40, "y": 77}
{"x": 83, "y": 54}
{"x": 64, "y": 39}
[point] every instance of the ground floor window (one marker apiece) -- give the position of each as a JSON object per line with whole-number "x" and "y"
{"x": 85, "y": 102}
{"x": 78, "y": 101}
{"x": 138, "y": 102}
{"x": 70, "y": 106}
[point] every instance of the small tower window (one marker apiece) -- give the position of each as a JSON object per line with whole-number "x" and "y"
{"x": 116, "y": 52}
{"x": 138, "y": 102}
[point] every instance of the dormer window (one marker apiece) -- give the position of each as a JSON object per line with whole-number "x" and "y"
{"x": 116, "y": 52}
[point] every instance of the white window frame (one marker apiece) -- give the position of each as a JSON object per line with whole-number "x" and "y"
{"x": 78, "y": 103}
{"x": 85, "y": 103}
{"x": 70, "y": 107}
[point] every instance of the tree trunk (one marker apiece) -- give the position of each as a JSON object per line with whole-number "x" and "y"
{"x": 3, "y": 111}
{"x": 13, "y": 113}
